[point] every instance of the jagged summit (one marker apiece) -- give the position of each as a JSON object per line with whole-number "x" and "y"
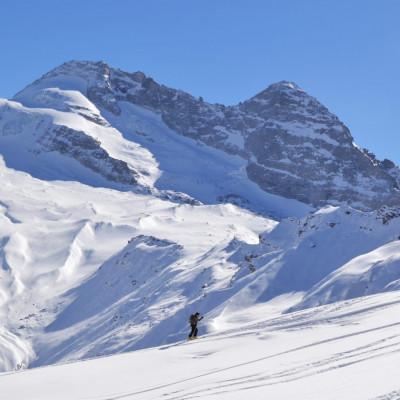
{"x": 139, "y": 76}
{"x": 283, "y": 86}
{"x": 100, "y": 71}
{"x": 80, "y": 68}
{"x": 289, "y": 96}
{"x": 83, "y": 69}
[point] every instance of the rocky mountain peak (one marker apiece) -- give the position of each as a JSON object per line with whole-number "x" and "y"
{"x": 282, "y": 87}
{"x": 88, "y": 70}
{"x": 283, "y": 98}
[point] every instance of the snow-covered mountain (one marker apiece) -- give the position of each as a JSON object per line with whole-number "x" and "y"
{"x": 126, "y": 205}
{"x": 282, "y": 139}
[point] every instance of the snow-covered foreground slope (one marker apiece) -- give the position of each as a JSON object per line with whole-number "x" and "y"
{"x": 55, "y": 236}
{"x": 89, "y": 271}
{"x": 346, "y": 350}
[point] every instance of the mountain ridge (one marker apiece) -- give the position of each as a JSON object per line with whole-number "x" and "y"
{"x": 291, "y": 144}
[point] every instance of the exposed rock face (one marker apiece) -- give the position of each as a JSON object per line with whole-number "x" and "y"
{"x": 293, "y": 145}
{"x": 88, "y": 152}
{"x": 303, "y": 151}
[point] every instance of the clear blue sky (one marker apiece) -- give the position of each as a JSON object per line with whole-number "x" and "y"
{"x": 346, "y": 53}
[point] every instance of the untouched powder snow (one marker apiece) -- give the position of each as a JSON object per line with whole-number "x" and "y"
{"x": 88, "y": 272}
{"x": 347, "y": 350}
{"x": 55, "y": 236}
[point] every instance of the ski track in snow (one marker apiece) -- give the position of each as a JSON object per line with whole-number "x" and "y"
{"x": 388, "y": 345}
{"x": 334, "y": 351}
{"x": 390, "y": 396}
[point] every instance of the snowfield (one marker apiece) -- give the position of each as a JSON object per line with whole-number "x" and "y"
{"x": 56, "y": 236}
{"x": 347, "y": 350}
{"x": 88, "y": 272}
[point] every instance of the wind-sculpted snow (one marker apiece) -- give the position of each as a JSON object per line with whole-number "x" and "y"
{"x": 374, "y": 272}
{"x": 136, "y": 299}
{"x": 15, "y": 353}
{"x": 88, "y": 272}
{"x": 54, "y": 237}
{"x": 141, "y": 296}
{"x": 325, "y": 247}
{"x": 115, "y": 307}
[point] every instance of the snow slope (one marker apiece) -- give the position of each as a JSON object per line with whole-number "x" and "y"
{"x": 93, "y": 271}
{"x": 348, "y": 350}
{"x": 55, "y": 236}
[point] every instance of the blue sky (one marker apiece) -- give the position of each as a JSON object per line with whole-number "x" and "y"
{"x": 346, "y": 53}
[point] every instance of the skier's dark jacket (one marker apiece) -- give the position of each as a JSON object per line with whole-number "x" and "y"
{"x": 194, "y": 319}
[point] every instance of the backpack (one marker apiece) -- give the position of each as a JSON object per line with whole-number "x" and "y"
{"x": 192, "y": 319}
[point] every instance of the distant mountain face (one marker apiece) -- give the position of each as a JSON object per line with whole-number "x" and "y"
{"x": 289, "y": 144}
